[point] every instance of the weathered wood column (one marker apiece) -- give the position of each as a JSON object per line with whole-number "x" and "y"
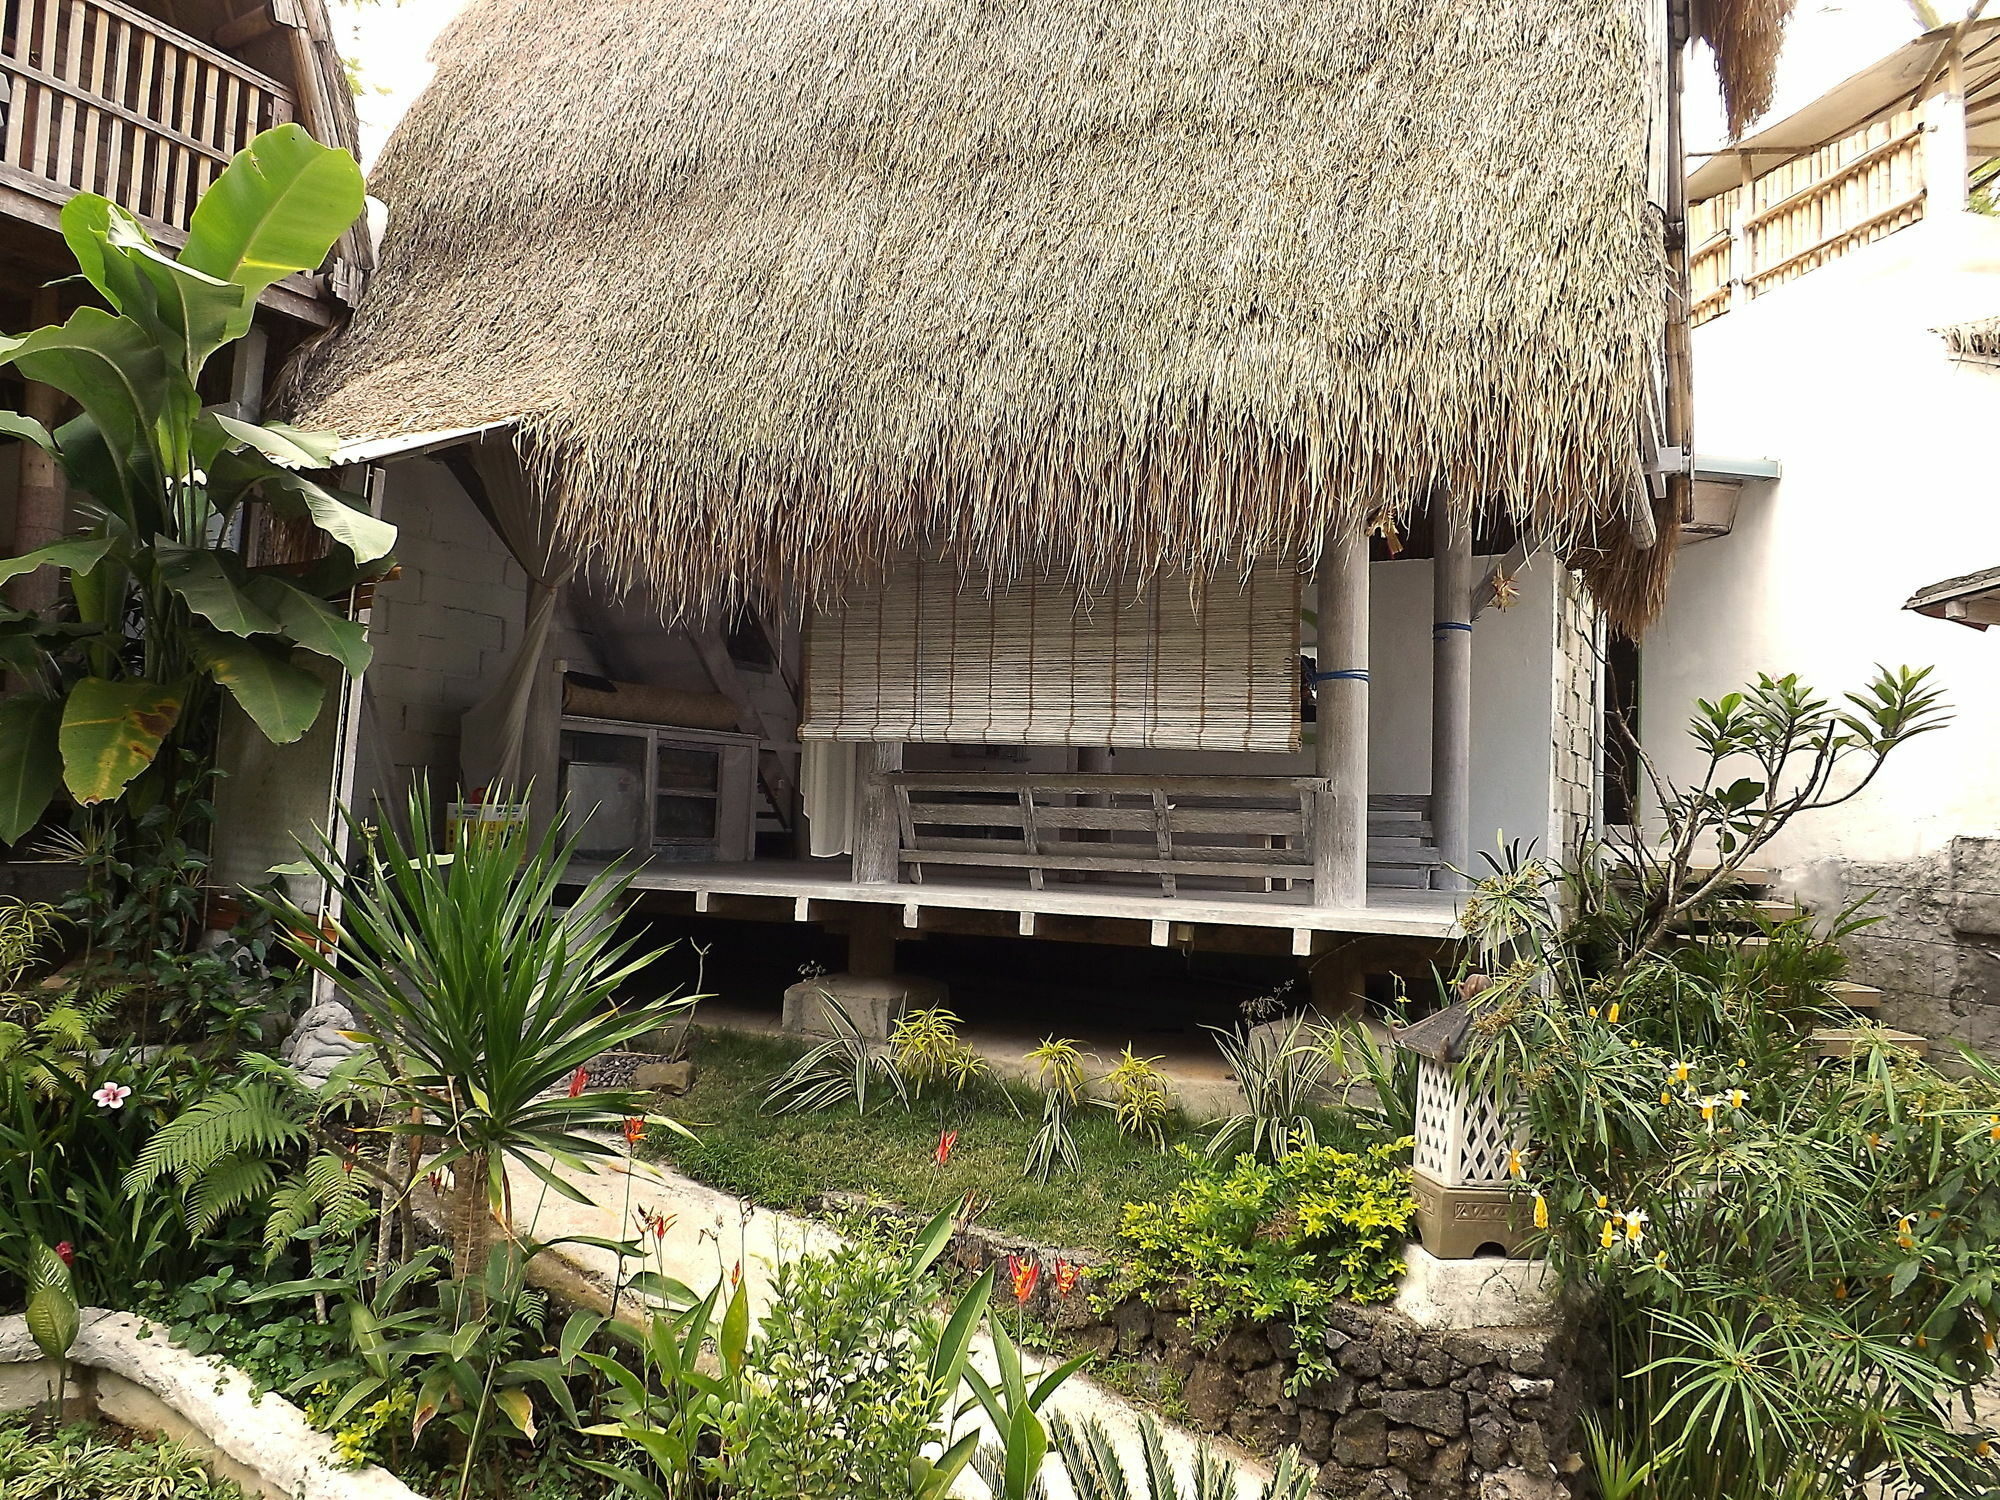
{"x": 1451, "y": 695}
{"x": 1340, "y": 740}
{"x": 877, "y": 837}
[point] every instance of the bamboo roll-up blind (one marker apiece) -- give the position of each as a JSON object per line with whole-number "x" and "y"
{"x": 928, "y": 656}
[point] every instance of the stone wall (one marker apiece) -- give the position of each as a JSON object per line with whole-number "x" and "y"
{"x": 1934, "y": 949}
{"x": 1460, "y": 1414}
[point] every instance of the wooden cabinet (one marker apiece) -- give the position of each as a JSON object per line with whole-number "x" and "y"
{"x": 674, "y": 794}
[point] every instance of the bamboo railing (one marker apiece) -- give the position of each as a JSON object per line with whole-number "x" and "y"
{"x": 1812, "y": 210}
{"x": 103, "y": 98}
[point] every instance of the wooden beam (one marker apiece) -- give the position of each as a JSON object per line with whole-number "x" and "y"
{"x": 877, "y": 831}
{"x": 1451, "y": 699}
{"x": 43, "y": 498}
{"x": 1340, "y": 754}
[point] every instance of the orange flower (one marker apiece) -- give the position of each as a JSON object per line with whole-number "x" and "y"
{"x": 946, "y": 1140}
{"x": 579, "y": 1081}
{"x": 634, "y": 1129}
{"x": 736, "y": 1276}
{"x": 1025, "y": 1275}
{"x": 1068, "y": 1274}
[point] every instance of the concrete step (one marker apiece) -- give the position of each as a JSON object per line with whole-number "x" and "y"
{"x": 1844, "y": 1041}
{"x": 1854, "y": 996}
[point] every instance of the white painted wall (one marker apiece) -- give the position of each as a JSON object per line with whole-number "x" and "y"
{"x": 1890, "y": 483}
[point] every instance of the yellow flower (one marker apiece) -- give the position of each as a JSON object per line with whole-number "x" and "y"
{"x": 1635, "y": 1226}
{"x": 1611, "y": 1015}
{"x": 1660, "y": 1260}
{"x": 1709, "y": 1103}
{"x": 1741, "y": 1063}
{"x": 1681, "y": 1071}
{"x": 1665, "y": 1097}
{"x": 1603, "y": 1200}
{"x": 1874, "y": 1140}
{"x": 1984, "y": 1449}
{"x": 1737, "y": 1098}
{"x": 1609, "y": 1237}
{"x": 1993, "y": 1133}
{"x": 1541, "y": 1212}
{"x": 1593, "y": 1013}
{"x": 1513, "y": 1163}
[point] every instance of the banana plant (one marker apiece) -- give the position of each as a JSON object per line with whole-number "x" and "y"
{"x": 166, "y": 615}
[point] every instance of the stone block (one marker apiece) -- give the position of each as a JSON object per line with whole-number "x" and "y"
{"x": 664, "y": 1077}
{"x": 1490, "y": 1292}
{"x": 1519, "y": 1484}
{"x": 872, "y": 1004}
{"x": 1210, "y": 1394}
{"x": 1361, "y": 1440}
{"x": 1442, "y": 1412}
{"x": 1975, "y": 865}
{"x": 1976, "y": 912}
{"x": 1264, "y": 1386}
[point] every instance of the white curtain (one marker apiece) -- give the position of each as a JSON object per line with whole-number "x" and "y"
{"x": 826, "y": 779}
{"x": 493, "y": 735}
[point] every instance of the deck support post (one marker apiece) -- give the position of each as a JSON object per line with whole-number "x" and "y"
{"x": 877, "y": 836}
{"x": 1451, "y": 696}
{"x": 1340, "y": 741}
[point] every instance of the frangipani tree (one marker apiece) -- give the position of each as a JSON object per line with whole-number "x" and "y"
{"x": 165, "y": 611}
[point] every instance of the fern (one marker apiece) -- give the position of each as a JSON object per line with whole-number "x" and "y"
{"x": 252, "y": 1117}
{"x": 339, "y": 1192}
{"x": 294, "y": 1208}
{"x": 223, "y": 1187}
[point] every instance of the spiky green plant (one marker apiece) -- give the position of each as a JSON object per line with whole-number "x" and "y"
{"x": 1059, "y": 1067}
{"x": 926, "y": 1048}
{"x": 1281, "y": 1076}
{"x": 1138, "y": 1095}
{"x": 485, "y": 977}
{"x": 1091, "y": 1462}
{"x": 844, "y": 1069}
{"x": 1053, "y": 1148}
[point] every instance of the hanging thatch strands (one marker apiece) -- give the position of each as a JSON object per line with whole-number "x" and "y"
{"x": 783, "y": 287}
{"x": 1745, "y": 36}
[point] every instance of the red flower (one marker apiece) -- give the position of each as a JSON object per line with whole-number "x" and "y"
{"x": 65, "y": 1252}
{"x": 1025, "y": 1274}
{"x": 660, "y": 1223}
{"x": 946, "y": 1140}
{"x": 579, "y": 1081}
{"x": 634, "y": 1128}
{"x": 1068, "y": 1274}
{"x": 736, "y": 1276}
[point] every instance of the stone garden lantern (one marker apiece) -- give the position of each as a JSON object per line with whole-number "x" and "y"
{"x": 1464, "y": 1140}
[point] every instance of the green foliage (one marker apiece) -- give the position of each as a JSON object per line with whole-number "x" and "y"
{"x": 1053, "y": 1148}
{"x": 52, "y": 1305}
{"x": 846, "y": 1388}
{"x": 1059, "y": 1068}
{"x": 1261, "y": 1240}
{"x": 215, "y": 1315}
{"x": 249, "y": 1142}
{"x": 484, "y": 994}
{"x": 1138, "y": 1095}
{"x": 74, "y": 1462}
{"x": 165, "y": 614}
{"x": 925, "y": 1048}
{"x": 1091, "y": 1463}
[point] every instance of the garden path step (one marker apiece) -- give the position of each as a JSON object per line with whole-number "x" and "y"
{"x": 708, "y": 1234}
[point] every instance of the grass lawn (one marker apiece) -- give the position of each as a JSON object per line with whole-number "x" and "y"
{"x": 784, "y": 1161}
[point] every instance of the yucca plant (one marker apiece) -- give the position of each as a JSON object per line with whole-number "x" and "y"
{"x": 1091, "y": 1462}
{"x": 487, "y": 979}
{"x": 844, "y": 1069}
{"x": 1280, "y": 1076}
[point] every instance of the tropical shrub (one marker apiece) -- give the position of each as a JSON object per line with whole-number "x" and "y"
{"x": 1280, "y": 1076}
{"x": 925, "y": 1048}
{"x": 1797, "y": 1257}
{"x": 166, "y": 616}
{"x": 1138, "y": 1095}
{"x": 1091, "y": 1463}
{"x": 1287, "y": 1239}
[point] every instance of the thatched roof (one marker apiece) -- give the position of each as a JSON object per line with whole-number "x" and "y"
{"x": 776, "y": 286}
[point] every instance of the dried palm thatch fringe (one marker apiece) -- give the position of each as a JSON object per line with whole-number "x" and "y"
{"x": 1979, "y": 339}
{"x": 1745, "y": 36}
{"x": 780, "y": 286}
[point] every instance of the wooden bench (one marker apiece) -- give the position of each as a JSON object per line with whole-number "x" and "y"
{"x": 1252, "y": 828}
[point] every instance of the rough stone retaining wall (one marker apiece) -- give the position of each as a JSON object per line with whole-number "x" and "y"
{"x": 1444, "y": 1414}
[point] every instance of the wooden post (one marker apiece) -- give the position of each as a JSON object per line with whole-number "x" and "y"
{"x": 1451, "y": 695}
{"x": 877, "y": 836}
{"x": 871, "y": 942}
{"x": 1944, "y": 150}
{"x": 1678, "y": 352}
{"x": 40, "y": 506}
{"x": 1340, "y": 750}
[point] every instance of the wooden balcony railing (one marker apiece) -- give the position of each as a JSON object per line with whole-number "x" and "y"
{"x": 98, "y": 97}
{"x": 1812, "y": 210}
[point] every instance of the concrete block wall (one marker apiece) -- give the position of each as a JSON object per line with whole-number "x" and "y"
{"x": 444, "y": 631}
{"x": 1577, "y": 721}
{"x": 1934, "y": 946}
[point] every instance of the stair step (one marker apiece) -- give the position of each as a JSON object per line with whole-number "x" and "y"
{"x": 1854, "y": 996}
{"x": 1844, "y": 1041}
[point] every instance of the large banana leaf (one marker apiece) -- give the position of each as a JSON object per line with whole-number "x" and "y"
{"x": 236, "y": 475}
{"x": 78, "y": 554}
{"x": 110, "y": 733}
{"x": 277, "y": 208}
{"x": 291, "y": 447}
{"x": 188, "y": 312}
{"x": 213, "y": 585}
{"x": 30, "y": 761}
{"x": 121, "y": 378}
{"x": 281, "y": 699}
{"x": 308, "y": 621}
{"x": 13, "y": 424}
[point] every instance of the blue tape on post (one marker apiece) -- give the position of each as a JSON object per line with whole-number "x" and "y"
{"x": 1351, "y": 674}
{"x": 1452, "y": 625}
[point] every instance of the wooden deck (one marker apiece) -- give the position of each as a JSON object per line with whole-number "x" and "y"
{"x": 817, "y": 890}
